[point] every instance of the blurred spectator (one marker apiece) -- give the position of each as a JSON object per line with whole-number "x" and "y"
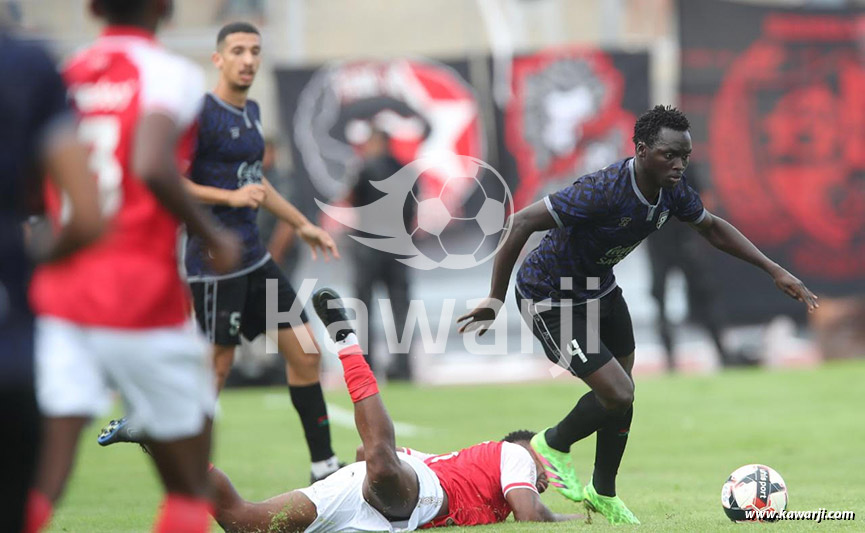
{"x": 372, "y": 266}
{"x": 241, "y": 9}
{"x": 680, "y": 248}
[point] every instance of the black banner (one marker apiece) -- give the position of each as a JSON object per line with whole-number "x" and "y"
{"x": 776, "y": 99}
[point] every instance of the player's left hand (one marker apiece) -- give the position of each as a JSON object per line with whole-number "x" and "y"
{"x": 480, "y": 318}
{"x": 794, "y": 288}
{"x": 317, "y": 238}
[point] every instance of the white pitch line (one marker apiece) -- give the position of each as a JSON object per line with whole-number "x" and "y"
{"x": 343, "y": 417}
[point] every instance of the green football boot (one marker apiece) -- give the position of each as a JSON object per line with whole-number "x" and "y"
{"x": 611, "y": 507}
{"x": 559, "y": 467}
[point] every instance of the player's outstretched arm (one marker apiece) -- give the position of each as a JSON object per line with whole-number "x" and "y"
{"x": 315, "y": 237}
{"x": 524, "y": 222}
{"x": 154, "y": 162}
{"x": 527, "y": 507}
{"x": 725, "y": 237}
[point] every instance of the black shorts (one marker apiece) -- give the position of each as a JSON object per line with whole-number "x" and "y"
{"x": 230, "y": 307}
{"x": 615, "y": 337}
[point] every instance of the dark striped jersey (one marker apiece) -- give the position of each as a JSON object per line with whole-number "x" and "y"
{"x": 228, "y": 155}
{"x": 601, "y": 218}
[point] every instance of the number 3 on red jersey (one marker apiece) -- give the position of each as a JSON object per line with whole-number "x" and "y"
{"x": 101, "y": 134}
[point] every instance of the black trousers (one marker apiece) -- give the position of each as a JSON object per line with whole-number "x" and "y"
{"x": 19, "y": 447}
{"x": 372, "y": 267}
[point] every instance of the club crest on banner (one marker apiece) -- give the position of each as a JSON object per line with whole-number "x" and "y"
{"x": 426, "y": 108}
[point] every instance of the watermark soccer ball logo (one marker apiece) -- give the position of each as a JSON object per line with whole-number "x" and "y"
{"x": 445, "y": 233}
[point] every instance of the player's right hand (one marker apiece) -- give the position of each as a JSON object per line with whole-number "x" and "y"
{"x": 224, "y": 252}
{"x": 481, "y": 317}
{"x": 251, "y": 195}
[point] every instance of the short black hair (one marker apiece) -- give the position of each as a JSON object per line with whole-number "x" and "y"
{"x": 519, "y": 435}
{"x": 650, "y": 123}
{"x": 122, "y": 11}
{"x": 235, "y": 27}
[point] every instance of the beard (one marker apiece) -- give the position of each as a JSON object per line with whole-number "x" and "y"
{"x": 240, "y": 86}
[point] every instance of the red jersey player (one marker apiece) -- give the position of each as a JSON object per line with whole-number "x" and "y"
{"x": 116, "y": 313}
{"x": 395, "y": 490}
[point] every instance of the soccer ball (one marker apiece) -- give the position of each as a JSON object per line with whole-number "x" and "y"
{"x": 461, "y": 227}
{"x": 753, "y": 488}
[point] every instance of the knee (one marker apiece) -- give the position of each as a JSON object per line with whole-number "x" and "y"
{"x": 620, "y": 399}
{"x": 305, "y": 362}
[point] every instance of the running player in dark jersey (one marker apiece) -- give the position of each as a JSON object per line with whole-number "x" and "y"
{"x": 568, "y": 294}
{"x": 226, "y": 173}
{"x": 38, "y": 135}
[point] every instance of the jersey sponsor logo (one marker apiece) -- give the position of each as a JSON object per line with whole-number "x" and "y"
{"x": 574, "y": 349}
{"x": 103, "y": 96}
{"x": 616, "y": 254}
{"x": 248, "y": 174}
{"x": 663, "y": 218}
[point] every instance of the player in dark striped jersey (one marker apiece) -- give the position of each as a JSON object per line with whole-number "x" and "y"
{"x": 568, "y": 293}
{"x": 226, "y": 173}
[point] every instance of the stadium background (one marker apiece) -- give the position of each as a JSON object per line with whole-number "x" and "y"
{"x": 550, "y": 91}
{"x": 800, "y": 416}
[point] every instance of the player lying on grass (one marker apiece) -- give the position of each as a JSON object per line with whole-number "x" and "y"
{"x": 395, "y": 490}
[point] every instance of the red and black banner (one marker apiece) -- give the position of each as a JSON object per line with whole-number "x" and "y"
{"x": 776, "y": 99}
{"x": 571, "y": 112}
{"x": 425, "y": 106}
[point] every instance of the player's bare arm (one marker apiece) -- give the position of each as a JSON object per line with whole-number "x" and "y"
{"x": 524, "y": 222}
{"x": 725, "y": 237}
{"x": 314, "y": 236}
{"x": 154, "y": 163}
{"x": 251, "y": 195}
{"x": 280, "y": 240}
{"x": 528, "y": 507}
{"x": 65, "y": 160}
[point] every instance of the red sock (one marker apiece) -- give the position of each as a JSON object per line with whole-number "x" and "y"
{"x": 38, "y": 512}
{"x": 359, "y": 378}
{"x": 183, "y": 514}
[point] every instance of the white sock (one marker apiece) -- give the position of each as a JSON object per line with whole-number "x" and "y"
{"x": 323, "y": 468}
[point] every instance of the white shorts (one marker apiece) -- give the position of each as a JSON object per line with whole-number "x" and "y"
{"x": 340, "y": 504}
{"x": 164, "y": 375}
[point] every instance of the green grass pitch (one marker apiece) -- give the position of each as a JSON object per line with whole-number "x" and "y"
{"x": 689, "y": 433}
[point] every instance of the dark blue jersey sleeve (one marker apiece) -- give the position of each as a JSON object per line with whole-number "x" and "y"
{"x": 52, "y": 108}
{"x": 579, "y": 203}
{"x": 686, "y": 205}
